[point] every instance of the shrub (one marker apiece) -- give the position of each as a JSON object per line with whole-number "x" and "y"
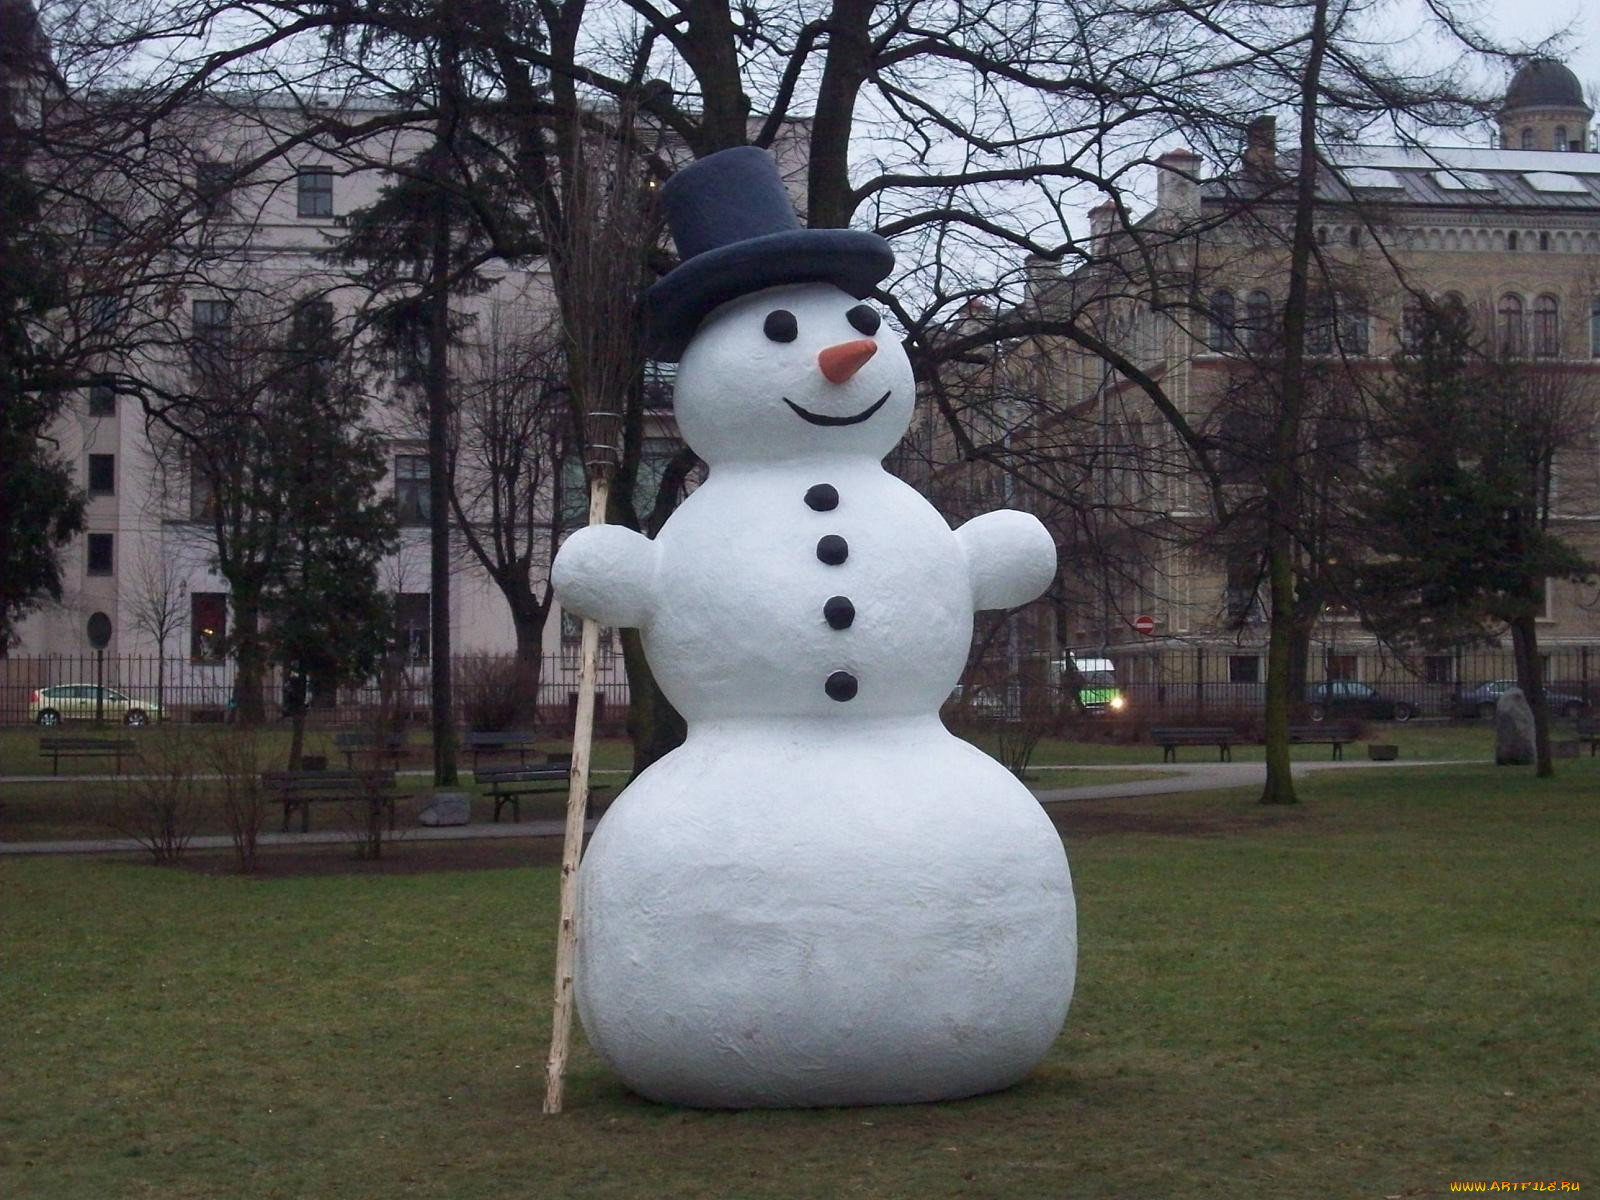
{"x": 237, "y": 757}
{"x": 160, "y": 806}
{"x": 494, "y": 693}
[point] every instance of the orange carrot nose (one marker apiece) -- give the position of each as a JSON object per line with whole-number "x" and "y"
{"x": 840, "y": 362}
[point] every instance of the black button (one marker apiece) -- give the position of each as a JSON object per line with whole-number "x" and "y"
{"x": 839, "y": 612}
{"x": 841, "y": 686}
{"x": 833, "y": 549}
{"x": 823, "y": 497}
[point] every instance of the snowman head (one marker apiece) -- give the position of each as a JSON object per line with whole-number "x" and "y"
{"x": 800, "y": 371}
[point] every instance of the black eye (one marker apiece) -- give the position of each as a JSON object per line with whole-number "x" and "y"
{"x": 781, "y": 326}
{"x": 865, "y": 318}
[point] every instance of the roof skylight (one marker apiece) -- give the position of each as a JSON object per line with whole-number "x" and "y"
{"x": 1463, "y": 181}
{"x": 1554, "y": 181}
{"x": 1371, "y": 178}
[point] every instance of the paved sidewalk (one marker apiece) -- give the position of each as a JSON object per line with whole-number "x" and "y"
{"x": 1184, "y": 777}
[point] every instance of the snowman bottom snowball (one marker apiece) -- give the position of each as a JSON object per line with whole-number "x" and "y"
{"x": 891, "y": 923}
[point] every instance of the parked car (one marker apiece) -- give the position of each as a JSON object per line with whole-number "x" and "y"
{"x": 1480, "y": 701}
{"x": 1347, "y": 698}
{"x": 76, "y": 702}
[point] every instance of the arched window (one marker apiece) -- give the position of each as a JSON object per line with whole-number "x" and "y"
{"x": 1319, "y": 325}
{"x": 1258, "y": 320}
{"x": 1544, "y": 241}
{"x": 1561, "y": 137}
{"x": 1223, "y": 319}
{"x": 1322, "y": 235}
{"x": 1511, "y": 240}
{"x": 1355, "y": 236}
{"x": 1527, "y": 139}
{"x": 1546, "y": 327}
{"x": 1594, "y": 327}
{"x": 1413, "y": 323}
{"x": 1513, "y": 336}
{"x": 1353, "y": 328}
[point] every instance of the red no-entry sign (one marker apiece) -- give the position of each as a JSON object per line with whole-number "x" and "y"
{"x": 1144, "y": 623}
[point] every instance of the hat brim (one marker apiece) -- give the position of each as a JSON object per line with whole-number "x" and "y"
{"x": 851, "y": 259}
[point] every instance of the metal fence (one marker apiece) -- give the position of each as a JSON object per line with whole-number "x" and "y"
{"x": 182, "y": 689}
{"x": 1155, "y": 683}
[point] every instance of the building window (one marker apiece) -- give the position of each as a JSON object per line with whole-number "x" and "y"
{"x": 1355, "y": 236}
{"x": 1546, "y": 327}
{"x": 103, "y": 229}
{"x": 208, "y": 626}
{"x": 1258, "y": 320}
{"x": 411, "y": 500}
{"x": 1527, "y": 139}
{"x": 1244, "y": 668}
{"x": 1544, "y": 241}
{"x": 103, "y": 313}
{"x": 1511, "y": 240}
{"x": 1219, "y": 336}
{"x": 1319, "y": 325}
{"x": 571, "y": 628}
{"x": 1438, "y": 668}
{"x": 102, "y": 474}
{"x": 1513, "y": 336}
{"x": 311, "y": 328}
{"x": 100, "y": 547}
{"x": 1240, "y": 600}
{"x": 211, "y": 329}
{"x": 213, "y": 187}
{"x": 314, "y": 192}
{"x": 1353, "y": 329}
{"x": 202, "y": 494}
{"x": 1561, "y": 137}
{"x": 1594, "y": 327}
{"x": 413, "y": 616}
{"x": 1413, "y": 323}
{"x": 102, "y": 400}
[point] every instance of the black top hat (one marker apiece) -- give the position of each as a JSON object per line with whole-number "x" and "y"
{"x": 737, "y": 233}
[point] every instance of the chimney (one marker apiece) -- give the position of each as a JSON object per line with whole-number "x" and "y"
{"x": 1261, "y": 146}
{"x": 1102, "y": 217}
{"x": 1039, "y": 273}
{"x": 1178, "y": 187}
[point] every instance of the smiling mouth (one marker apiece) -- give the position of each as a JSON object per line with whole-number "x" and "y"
{"x": 822, "y": 419}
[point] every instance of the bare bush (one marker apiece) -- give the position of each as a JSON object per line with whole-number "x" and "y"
{"x": 160, "y": 806}
{"x": 237, "y": 757}
{"x": 492, "y": 693}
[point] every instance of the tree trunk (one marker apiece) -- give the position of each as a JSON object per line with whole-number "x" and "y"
{"x": 529, "y": 663}
{"x": 1282, "y": 499}
{"x": 1530, "y": 678}
{"x": 250, "y": 660}
{"x": 654, "y": 725}
{"x": 1299, "y": 661}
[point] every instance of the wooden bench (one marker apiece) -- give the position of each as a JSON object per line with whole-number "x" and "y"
{"x": 1337, "y": 734}
{"x": 297, "y": 789}
{"x": 483, "y": 745}
{"x": 1170, "y": 737}
{"x": 507, "y": 784}
{"x": 58, "y": 748}
{"x": 370, "y": 747}
{"x": 1588, "y": 730}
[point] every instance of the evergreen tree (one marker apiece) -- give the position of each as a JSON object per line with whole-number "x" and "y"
{"x": 1459, "y": 510}
{"x": 41, "y": 507}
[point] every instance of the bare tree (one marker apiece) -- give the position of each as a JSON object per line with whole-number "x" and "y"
{"x": 158, "y": 606}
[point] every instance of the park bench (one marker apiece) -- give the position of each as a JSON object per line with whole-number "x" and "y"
{"x": 1588, "y": 730}
{"x": 370, "y": 747}
{"x": 507, "y": 784}
{"x": 484, "y": 745}
{"x": 1337, "y": 734}
{"x": 1170, "y": 737}
{"x": 297, "y": 789}
{"x": 57, "y": 748}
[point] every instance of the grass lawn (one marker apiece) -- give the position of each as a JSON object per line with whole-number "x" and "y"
{"x": 1384, "y": 989}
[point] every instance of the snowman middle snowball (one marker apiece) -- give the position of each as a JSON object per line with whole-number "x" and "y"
{"x": 822, "y": 897}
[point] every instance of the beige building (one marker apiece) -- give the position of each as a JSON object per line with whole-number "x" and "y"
{"x": 1512, "y": 232}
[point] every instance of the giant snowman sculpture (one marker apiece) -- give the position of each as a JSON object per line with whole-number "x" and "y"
{"x": 822, "y": 897}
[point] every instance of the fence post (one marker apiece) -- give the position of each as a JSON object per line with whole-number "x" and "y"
{"x": 1199, "y": 678}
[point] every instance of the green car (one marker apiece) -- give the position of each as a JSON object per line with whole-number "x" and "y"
{"x": 76, "y": 702}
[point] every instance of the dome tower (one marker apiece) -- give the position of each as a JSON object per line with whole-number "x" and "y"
{"x": 1544, "y": 109}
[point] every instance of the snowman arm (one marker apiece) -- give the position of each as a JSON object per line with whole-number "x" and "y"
{"x": 607, "y": 573}
{"x": 1011, "y": 558}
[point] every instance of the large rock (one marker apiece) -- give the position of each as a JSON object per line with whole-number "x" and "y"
{"x": 447, "y": 808}
{"x": 1513, "y": 730}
